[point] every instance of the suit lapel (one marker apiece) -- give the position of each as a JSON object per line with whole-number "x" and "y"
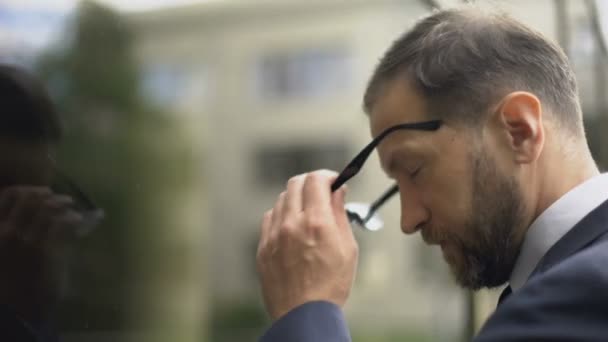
{"x": 584, "y": 233}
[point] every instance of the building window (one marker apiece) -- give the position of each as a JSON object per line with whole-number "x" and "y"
{"x": 171, "y": 86}
{"x": 306, "y": 74}
{"x": 275, "y": 164}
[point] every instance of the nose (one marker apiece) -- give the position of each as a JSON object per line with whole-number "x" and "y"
{"x": 414, "y": 214}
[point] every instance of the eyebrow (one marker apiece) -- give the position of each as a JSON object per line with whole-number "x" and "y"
{"x": 399, "y": 156}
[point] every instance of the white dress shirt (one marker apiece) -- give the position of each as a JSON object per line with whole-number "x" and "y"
{"x": 554, "y": 223}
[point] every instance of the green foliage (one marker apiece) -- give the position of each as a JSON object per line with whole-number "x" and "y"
{"x": 243, "y": 321}
{"x": 123, "y": 153}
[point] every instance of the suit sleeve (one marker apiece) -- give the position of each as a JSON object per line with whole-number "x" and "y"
{"x": 310, "y": 322}
{"x": 567, "y": 303}
{"x": 14, "y": 329}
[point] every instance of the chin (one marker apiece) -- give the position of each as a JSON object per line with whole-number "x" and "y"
{"x": 464, "y": 275}
{"x": 451, "y": 256}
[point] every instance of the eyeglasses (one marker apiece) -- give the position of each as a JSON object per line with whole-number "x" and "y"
{"x": 364, "y": 215}
{"x": 92, "y": 215}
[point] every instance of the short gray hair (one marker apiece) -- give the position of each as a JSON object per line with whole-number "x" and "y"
{"x": 463, "y": 60}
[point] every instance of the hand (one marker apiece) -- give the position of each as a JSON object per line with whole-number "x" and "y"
{"x": 35, "y": 228}
{"x": 307, "y": 250}
{"x": 36, "y": 217}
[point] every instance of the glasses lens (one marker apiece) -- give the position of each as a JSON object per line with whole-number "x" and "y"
{"x": 91, "y": 214}
{"x": 358, "y": 215}
{"x": 90, "y": 220}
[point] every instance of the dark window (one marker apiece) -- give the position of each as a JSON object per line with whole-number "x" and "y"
{"x": 306, "y": 74}
{"x": 275, "y": 164}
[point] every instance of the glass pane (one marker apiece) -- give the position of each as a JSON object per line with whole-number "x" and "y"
{"x": 170, "y": 166}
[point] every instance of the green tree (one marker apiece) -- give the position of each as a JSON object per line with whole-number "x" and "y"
{"x": 121, "y": 151}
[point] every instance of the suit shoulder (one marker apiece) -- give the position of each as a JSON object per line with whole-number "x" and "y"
{"x": 588, "y": 264}
{"x": 566, "y": 302}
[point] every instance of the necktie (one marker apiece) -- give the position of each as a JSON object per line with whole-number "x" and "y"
{"x": 505, "y": 293}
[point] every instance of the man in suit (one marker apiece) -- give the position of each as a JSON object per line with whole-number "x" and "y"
{"x": 36, "y": 222}
{"x": 506, "y": 186}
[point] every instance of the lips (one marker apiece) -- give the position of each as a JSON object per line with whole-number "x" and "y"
{"x": 435, "y": 237}
{"x": 429, "y": 239}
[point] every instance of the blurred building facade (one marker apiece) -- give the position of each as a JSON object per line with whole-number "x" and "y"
{"x": 270, "y": 89}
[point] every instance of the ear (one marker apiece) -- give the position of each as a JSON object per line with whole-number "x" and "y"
{"x": 520, "y": 117}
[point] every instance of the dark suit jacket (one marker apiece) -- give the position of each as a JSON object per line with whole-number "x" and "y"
{"x": 14, "y": 329}
{"x": 565, "y": 298}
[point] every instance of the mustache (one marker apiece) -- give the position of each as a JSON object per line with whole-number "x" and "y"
{"x": 434, "y": 236}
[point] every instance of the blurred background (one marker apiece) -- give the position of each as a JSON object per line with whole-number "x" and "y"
{"x": 184, "y": 120}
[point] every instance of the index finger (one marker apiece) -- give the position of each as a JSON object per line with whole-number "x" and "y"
{"x": 317, "y": 192}
{"x": 10, "y": 195}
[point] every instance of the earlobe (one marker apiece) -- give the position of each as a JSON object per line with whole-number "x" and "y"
{"x": 521, "y": 117}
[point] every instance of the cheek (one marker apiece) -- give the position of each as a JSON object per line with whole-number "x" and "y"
{"x": 449, "y": 198}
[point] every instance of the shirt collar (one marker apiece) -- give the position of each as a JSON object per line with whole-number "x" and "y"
{"x": 554, "y": 223}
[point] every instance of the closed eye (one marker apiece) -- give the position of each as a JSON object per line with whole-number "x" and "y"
{"x": 397, "y": 170}
{"x": 415, "y": 173}
{"x": 402, "y": 162}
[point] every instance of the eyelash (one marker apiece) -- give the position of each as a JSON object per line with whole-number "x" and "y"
{"x": 404, "y": 170}
{"x": 415, "y": 173}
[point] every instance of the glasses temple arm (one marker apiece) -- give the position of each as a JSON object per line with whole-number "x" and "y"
{"x": 75, "y": 189}
{"x": 355, "y": 165}
{"x": 380, "y": 201}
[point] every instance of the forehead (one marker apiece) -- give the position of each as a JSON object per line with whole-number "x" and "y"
{"x": 398, "y": 102}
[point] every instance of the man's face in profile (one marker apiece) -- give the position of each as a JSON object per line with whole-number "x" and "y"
{"x": 452, "y": 189}
{"x": 31, "y": 233}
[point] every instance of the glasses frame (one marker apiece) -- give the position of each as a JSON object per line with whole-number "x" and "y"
{"x": 92, "y": 215}
{"x": 355, "y": 165}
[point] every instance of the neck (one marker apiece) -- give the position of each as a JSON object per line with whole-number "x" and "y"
{"x": 557, "y": 181}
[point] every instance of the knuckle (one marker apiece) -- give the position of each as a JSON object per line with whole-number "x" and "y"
{"x": 261, "y": 251}
{"x": 320, "y": 176}
{"x": 288, "y": 227}
{"x": 287, "y": 230}
{"x": 279, "y": 202}
{"x": 267, "y": 216}
{"x": 295, "y": 180}
{"x": 272, "y": 236}
{"x": 325, "y": 173}
{"x": 315, "y": 222}
{"x": 264, "y": 250}
{"x": 281, "y": 197}
{"x": 315, "y": 176}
